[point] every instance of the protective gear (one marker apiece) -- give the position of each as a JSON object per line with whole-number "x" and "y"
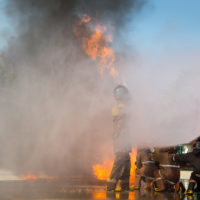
{"x": 190, "y": 189}
{"x": 192, "y": 158}
{"x": 196, "y": 148}
{"x": 168, "y": 170}
{"x": 121, "y": 92}
{"x": 120, "y": 171}
{"x": 121, "y": 142}
{"x": 118, "y": 189}
{"x": 110, "y": 187}
{"x": 121, "y": 136}
{"x": 147, "y": 168}
{"x": 194, "y": 182}
{"x": 134, "y": 187}
{"x": 181, "y": 188}
{"x": 158, "y": 189}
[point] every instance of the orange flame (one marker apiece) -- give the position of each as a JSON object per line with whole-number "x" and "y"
{"x": 95, "y": 44}
{"x": 29, "y": 176}
{"x": 133, "y": 167}
{"x": 102, "y": 171}
{"x": 99, "y": 195}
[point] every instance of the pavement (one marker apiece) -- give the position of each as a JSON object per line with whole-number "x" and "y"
{"x": 54, "y": 190}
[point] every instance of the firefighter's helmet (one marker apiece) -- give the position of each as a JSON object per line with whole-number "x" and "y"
{"x": 196, "y": 148}
{"x": 121, "y": 92}
{"x": 197, "y": 145}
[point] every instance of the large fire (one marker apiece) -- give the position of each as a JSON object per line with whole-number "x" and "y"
{"x": 102, "y": 171}
{"x": 96, "y": 44}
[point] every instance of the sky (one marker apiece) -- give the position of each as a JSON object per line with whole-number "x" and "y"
{"x": 168, "y": 24}
{"x": 5, "y": 26}
{"x": 162, "y": 24}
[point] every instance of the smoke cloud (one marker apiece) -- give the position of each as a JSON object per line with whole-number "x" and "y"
{"x": 55, "y": 107}
{"x": 165, "y": 98}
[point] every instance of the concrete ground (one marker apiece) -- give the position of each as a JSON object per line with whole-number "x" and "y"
{"x": 53, "y": 190}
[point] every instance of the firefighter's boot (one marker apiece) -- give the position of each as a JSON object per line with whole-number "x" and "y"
{"x": 110, "y": 187}
{"x": 134, "y": 187}
{"x": 181, "y": 188}
{"x": 124, "y": 185}
{"x": 158, "y": 184}
{"x": 190, "y": 189}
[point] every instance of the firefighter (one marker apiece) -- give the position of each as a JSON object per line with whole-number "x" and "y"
{"x": 148, "y": 170}
{"x": 121, "y": 141}
{"x": 192, "y": 158}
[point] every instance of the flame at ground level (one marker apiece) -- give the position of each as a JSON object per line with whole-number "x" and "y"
{"x": 102, "y": 171}
{"x": 31, "y": 176}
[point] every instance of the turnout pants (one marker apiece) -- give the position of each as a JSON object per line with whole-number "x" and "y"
{"x": 196, "y": 179}
{"x": 120, "y": 171}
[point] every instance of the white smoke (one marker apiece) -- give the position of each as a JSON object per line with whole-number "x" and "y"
{"x": 56, "y": 108}
{"x": 166, "y": 98}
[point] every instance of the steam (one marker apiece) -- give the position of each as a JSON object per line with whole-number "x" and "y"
{"x": 55, "y": 108}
